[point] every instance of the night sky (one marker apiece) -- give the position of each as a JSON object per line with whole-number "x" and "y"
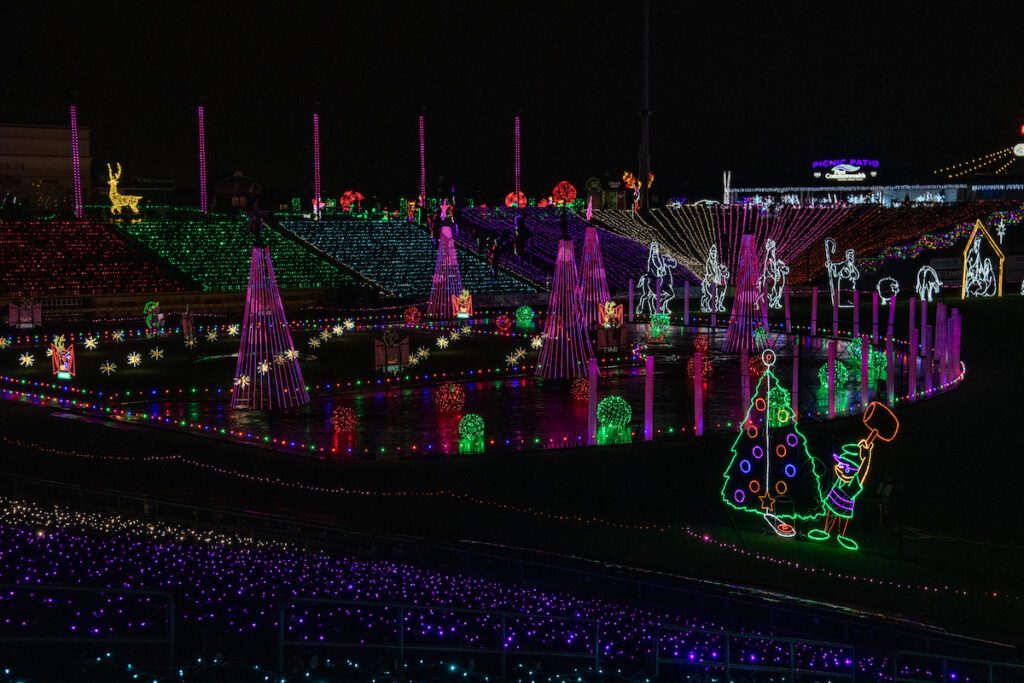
{"x": 759, "y": 88}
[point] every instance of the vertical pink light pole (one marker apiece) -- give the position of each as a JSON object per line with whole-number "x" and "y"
{"x": 517, "y": 168}
{"x": 831, "y": 378}
{"x": 649, "y": 399}
{"x": 698, "y": 393}
{"x": 865, "y": 355}
{"x": 592, "y": 376}
{"x": 814, "y": 311}
{"x": 423, "y": 162}
{"x": 76, "y": 164}
{"x": 890, "y": 371}
{"x": 874, "y": 316}
{"x": 796, "y": 378}
{"x": 204, "y": 200}
{"x": 912, "y": 365}
{"x": 928, "y": 351}
{"x": 316, "y": 161}
{"x": 785, "y": 301}
{"x": 856, "y": 313}
{"x": 686, "y": 303}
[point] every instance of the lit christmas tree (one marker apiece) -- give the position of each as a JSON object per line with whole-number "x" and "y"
{"x": 771, "y": 473}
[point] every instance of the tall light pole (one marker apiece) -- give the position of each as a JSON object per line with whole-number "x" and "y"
{"x": 76, "y": 163}
{"x": 645, "y": 111}
{"x": 204, "y": 200}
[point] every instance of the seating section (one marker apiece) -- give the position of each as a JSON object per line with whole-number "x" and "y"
{"x": 76, "y": 258}
{"x": 217, "y": 251}
{"x": 397, "y": 255}
{"x": 624, "y": 257}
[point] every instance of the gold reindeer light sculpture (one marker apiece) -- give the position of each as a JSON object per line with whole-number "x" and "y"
{"x": 117, "y": 200}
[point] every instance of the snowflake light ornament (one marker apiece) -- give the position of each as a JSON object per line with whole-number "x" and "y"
{"x": 442, "y": 342}
{"x": 233, "y": 329}
{"x": 291, "y": 354}
{"x": 156, "y": 353}
{"x": 242, "y": 381}
{"x": 536, "y": 342}
{"x": 91, "y": 343}
{"x": 118, "y": 336}
{"x": 211, "y": 335}
{"x": 191, "y": 343}
{"x": 4, "y": 342}
{"x": 108, "y": 368}
{"x": 135, "y": 359}
{"x": 314, "y": 343}
{"x": 349, "y": 324}
{"x": 263, "y": 367}
{"x": 338, "y": 330}
{"x": 279, "y": 359}
{"x": 466, "y": 329}
{"x": 325, "y": 335}
{"x": 454, "y": 336}
{"x": 26, "y": 360}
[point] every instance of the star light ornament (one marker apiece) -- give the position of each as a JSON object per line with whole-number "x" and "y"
{"x": 108, "y": 368}
{"x": 466, "y": 329}
{"x": 242, "y": 381}
{"x": 191, "y": 343}
{"x": 91, "y": 343}
{"x": 26, "y": 360}
{"x": 291, "y": 354}
{"x": 325, "y": 335}
{"x": 118, "y": 336}
{"x": 536, "y": 342}
{"x": 263, "y": 367}
{"x": 211, "y": 335}
{"x": 314, "y": 343}
{"x": 338, "y": 330}
{"x": 135, "y": 359}
{"x": 442, "y": 342}
{"x": 233, "y": 330}
{"x": 423, "y": 353}
{"x": 279, "y": 359}
{"x": 156, "y": 353}
{"x": 454, "y": 336}
{"x": 349, "y": 324}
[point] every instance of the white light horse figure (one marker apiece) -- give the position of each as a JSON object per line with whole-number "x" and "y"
{"x": 712, "y": 287}
{"x": 773, "y": 277}
{"x": 656, "y": 287}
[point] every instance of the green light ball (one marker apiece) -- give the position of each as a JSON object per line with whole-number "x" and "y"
{"x": 659, "y": 324}
{"x": 842, "y": 374}
{"x": 524, "y": 315}
{"x": 471, "y": 426}
{"x": 613, "y": 411}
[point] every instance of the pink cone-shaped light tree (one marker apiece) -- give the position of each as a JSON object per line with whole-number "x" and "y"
{"x": 447, "y": 282}
{"x": 267, "y": 376}
{"x": 594, "y": 282}
{"x": 746, "y": 314}
{"x": 566, "y": 350}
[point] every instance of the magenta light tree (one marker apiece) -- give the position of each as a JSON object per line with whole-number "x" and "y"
{"x": 76, "y": 164}
{"x": 747, "y": 315}
{"x": 316, "y": 162}
{"x": 204, "y": 200}
{"x": 447, "y": 282}
{"x": 594, "y": 282}
{"x": 267, "y": 376}
{"x": 566, "y": 349}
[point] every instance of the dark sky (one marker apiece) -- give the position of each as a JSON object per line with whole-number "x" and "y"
{"x": 761, "y": 88}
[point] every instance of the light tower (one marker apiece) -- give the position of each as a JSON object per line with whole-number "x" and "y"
{"x": 204, "y": 201}
{"x": 76, "y": 164}
{"x": 316, "y": 162}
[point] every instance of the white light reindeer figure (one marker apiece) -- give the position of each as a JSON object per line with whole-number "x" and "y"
{"x": 117, "y": 200}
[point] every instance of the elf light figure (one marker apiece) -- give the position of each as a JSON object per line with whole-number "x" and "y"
{"x": 63, "y": 358}
{"x": 851, "y": 469}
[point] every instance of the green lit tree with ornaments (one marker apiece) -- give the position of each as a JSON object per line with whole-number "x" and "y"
{"x": 771, "y": 472}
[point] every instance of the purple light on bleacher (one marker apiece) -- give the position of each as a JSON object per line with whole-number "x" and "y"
{"x": 204, "y": 201}
{"x": 76, "y": 164}
{"x": 316, "y": 161}
{"x": 423, "y": 163}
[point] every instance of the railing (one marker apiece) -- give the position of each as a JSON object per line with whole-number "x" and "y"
{"x": 492, "y": 622}
{"x": 729, "y": 651}
{"x": 921, "y": 667}
{"x": 162, "y": 601}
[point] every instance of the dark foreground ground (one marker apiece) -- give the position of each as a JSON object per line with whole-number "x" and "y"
{"x": 951, "y": 526}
